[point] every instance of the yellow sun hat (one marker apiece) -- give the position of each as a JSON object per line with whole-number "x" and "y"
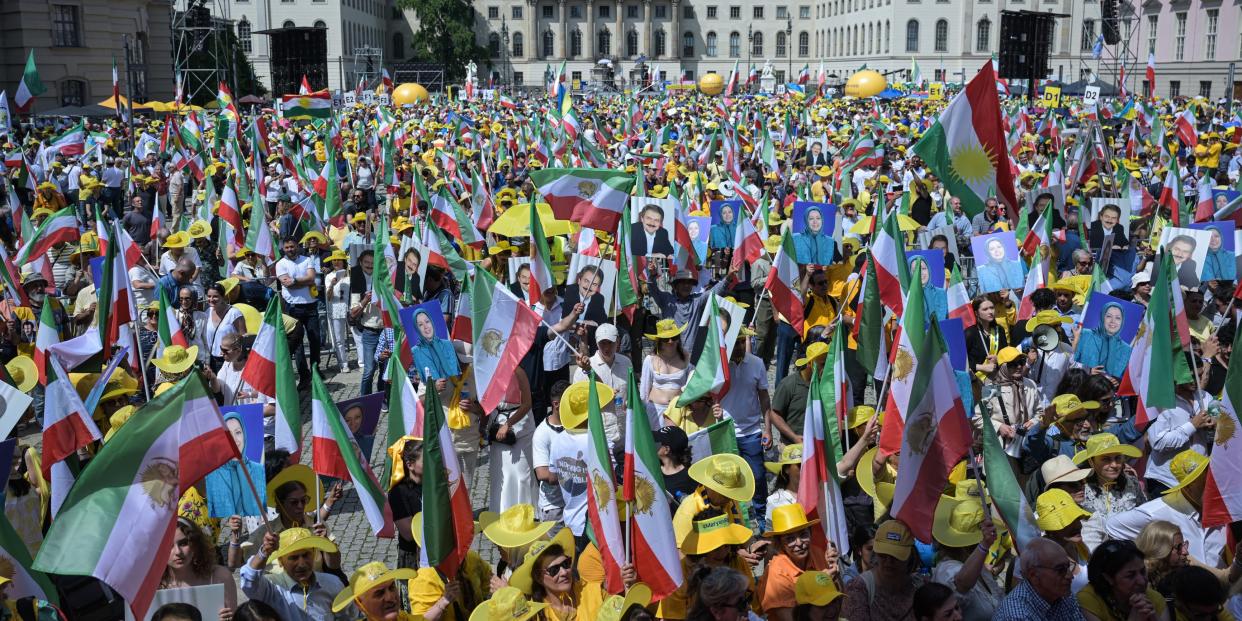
{"x": 176, "y": 359}
{"x": 1105, "y": 444}
{"x": 814, "y": 352}
{"x": 957, "y": 520}
{"x": 790, "y": 518}
{"x": 294, "y": 540}
{"x": 726, "y": 474}
{"x": 1046, "y": 318}
{"x": 615, "y": 607}
{"x": 860, "y": 414}
{"x": 367, "y": 577}
{"x": 507, "y": 604}
{"x": 23, "y": 372}
{"x": 791, "y": 454}
{"x": 522, "y": 577}
{"x": 1187, "y": 466}
{"x": 516, "y": 527}
{"x": 815, "y": 588}
{"x": 665, "y": 329}
{"x": 299, "y": 473}
{"x": 199, "y": 229}
{"x": 575, "y": 402}
{"x": 1055, "y": 510}
{"x": 177, "y": 240}
{"x": 254, "y": 319}
{"x": 711, "y": 533}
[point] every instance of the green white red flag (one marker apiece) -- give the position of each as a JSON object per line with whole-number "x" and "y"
{"x": 605, "y": 520}
{"x": 711, "y": 370}
{"x": 541, "y": 278}
{"x": 1222, "y": 495}
{"x": 504, "y": 330}
{"x": 59, "y": 228}
{"x": 656, "y": 557}
{"x": 30, "y": 86}
{"x": 448, "y": 521}
{"x": 1149, "y": 374}
{"x": 782, "y": 283}
{"x": 889, "y": 256}
{"x": 819, "y": 488}
{"x": 15, "y": 557}
{"x": 1003, "y": 487}
{"x": 168, "y": 327}
{"x": 269, "y": 370}
{"x": 67, "y": 426}
{"x": 592, "y": 197}
{"x": 405, "y": 411}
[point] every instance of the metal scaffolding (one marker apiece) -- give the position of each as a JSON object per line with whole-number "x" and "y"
{"x": 201, "y": 54}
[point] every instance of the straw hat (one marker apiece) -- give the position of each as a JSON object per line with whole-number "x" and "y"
{"x": 1055, "y": 510}
{"x": 177, "y": 240}
{"x": 176, "y": 359}
{"x": 23, "y": 373}
{"x": 1061, "y": 469}
{"x": 1105, "y": 444}
{"x": 516, "y": 527}
{"x": 725, "y": 473}
{"x": 507, "y": 604}
{"x": 297, "y": 472}
{"x": 616, "y": 606}
{"x": 859, "y": 415}
{"x": 791, "y": 454}
{"x": 666, "y": 329}
{"x": 199, "y": 229}
{"x": 773, "y": 243}
{"x": 367, "y": 577}
{"x": 957, "y": 521}
{"x": 1046, "y": 318}
{"x": 337, "y": 255}
{"x": 315, "y": 235}
{"x": 790, "y": 518}
{"x": 713, "y": 532}
{"x": 294, "y": 540}
{"x": 576, "y": 402}
{"x": 1187, "y": 466}
{"x": 522, "y": 578}
{"x": 1069, "y": 407}
{"x": 814, "y": 352}
{"x": 254, "y": 319}
{"x": 815, "y": 588}
{"x": 228, "y": 284}
{"x": 894, "y": 539}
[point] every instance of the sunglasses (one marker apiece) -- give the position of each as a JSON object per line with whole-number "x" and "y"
{"x": 555, "y": 570}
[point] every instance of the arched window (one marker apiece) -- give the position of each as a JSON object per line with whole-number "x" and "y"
{"x": 687, "y": 43}
{"x": 983, "y": 33}
{"x": 804, "y": 44}
{"x": 549, "y": 40}
{"x": 603, "y": 43}
{"x": 398, "y": 45}
{"x": 243, "y": 35}
{"x": 912, "y": 35}
{"x": 756, "y": 44}
{"x": 575, "y": 43}
{"x": 631, "y": 43}
{"x": 288, "y": 24}
{"x": 886, "y": 36}
{"x": 661, "y": 44}
{"x": 319, "y": 23}
{"x": 493, "y": 45}
{"x": 781, "y": 43}
{"x": 72, "y": 92}
{"x": 735, "y": 45}
{"x": 518, "y": 48}
{"x": 870, "y": 32}
{"x": 711, "y": 44}
{"x": 942, "y": 35}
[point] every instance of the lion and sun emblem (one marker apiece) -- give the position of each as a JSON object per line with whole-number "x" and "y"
{"x": 587, "y": 189}
{"x": 492, "y": 342}
{"x": 161, "y": 483}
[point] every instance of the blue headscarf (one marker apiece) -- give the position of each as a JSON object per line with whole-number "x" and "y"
{"x": 1098, "y": 348}
{"x": 813, "y": 247}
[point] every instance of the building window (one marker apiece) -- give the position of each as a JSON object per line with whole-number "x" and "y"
{"x": 603, "y": 43}
{"x": 1205, "y": 88}
{"x": 1088, "y": 35}
{"x": 711, "y": 12}
{"x": 518, "y": 78}
{"x": 398, "y": 46}
{"x": 661, "y": 43}
{"x": 687, "y": 44}
{"x": 605, "y": 11}
{"x": 735, "y": 45}
{"x": 804, "y": 44}
{"x": 631, "y": 43}
{"x": 661, "y": 11}
{"x": 1175, "y": 88}
{"x": 1213, "y": 17}
{"x": 631, "y": 11}
{"x": 72, "y": 92}
{"x": 549, "y": 40}
{"x": 780, "y": 44}
{"x": 779, "y": 74}
{"x": 886, "y": 38}
{"x": 912, "y": 35}
{"x": 1180, "y": 42}
{"x": 243, "y": 35}
{"x": 735, "y": 12}
{"x": 319, "y": 23}
{"x": 575, "y": 11}
{"x": 518, "y": 50}
{"x": 983, "y": 33}
{"x": 575, "y": 76}
{"x": 493, "y": 45}
{"x": 1151, "y": 34}
{"x": 66, "y": 30}
{"x": 758, "y": 12}
{"x": 288, "y": 24}
{"x": 493, "y": 12}
{"x": 687, "y": 12}
{"x": 756, "y": 44}
{"x": 689, "y": 75}
{"x": 804, "y": 12}
{"x": 711, "y": 45}
{"x": 517, "y": 12}
{"x": 782, "y": 12}
{"x": 575, "y": 43}
{"x": 548, "y": 11}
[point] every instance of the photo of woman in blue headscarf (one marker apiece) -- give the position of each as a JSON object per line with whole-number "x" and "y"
{"x": 228, "y": 492}
{"x": 812, "y": 246}
{"x": 721, "y": 235}
{"x": 935, "y": 300}
{"x": 996, "y": 271}
{"x": 434, "y": 357}
{"x": 1102, "y": 346}
{"x": 1220, "y": 262}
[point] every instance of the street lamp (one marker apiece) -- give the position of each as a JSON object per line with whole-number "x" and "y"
{"x": 750, "y": 49}
{"x": 789, "y": 38}
{"x": 504, "y": 50}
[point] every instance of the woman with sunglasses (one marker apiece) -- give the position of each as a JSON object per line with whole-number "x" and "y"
{"x": 221, "y": 320}
{"x": 721, "y": 595}
{"x": 236, "y": 390}
{"x": 1012, "y": 400}
{"x": 1118, "y": 588}
{"x": 1111, "y": 487}
{"x": 193, "y": 321}
{"x": 1166, "y": 550}
{"x": 547, "y": 576}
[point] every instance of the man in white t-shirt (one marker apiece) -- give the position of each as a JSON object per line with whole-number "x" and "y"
{"x": 296, "y": 273}
{"x": 551, "y": 503}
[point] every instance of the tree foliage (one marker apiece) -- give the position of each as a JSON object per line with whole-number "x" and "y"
{"x": 446, "y": 35}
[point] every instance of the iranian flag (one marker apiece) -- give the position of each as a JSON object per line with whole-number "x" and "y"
{"x": 131, "y": 251}
{"x": 118, "y": 521}
{"x": 1204, "y": 209}
{"x": 819, "y": 489}
{"x": 1141, "y": 202}
{"x": 889, "y": 258}
{"x": 872, "y": 345}
{"x": 966, "y": 146}
{"x": 747, "y": 244}
{"x": 335, "y": 453}
{"x": 1040, "y": 235}
{"x": 258, "y": 234}
{"x": 912, "y": 329}
{"x": 1187, "y": 133}
{"x": 448, "y": 521}
{"x": 316, "y": 105}
{"x": 959, "y": 300}
{"x": 602, "y": 495}
{"x": 782, "y": 283}
{"x": 1171, "y": 193}
{"x": 15, "y": 557}
{"x": 592, "y": 197}
{"x": 228, "y": 207}
{"x": 70, "y": 142}
{"x": 169, "y": 327}
{"x": 627, "y": 281}
{"x": 46, "y": 337}
{"x": 1003, "y": 486}
{"x": 1149, "y": 374}
{"x": 405, "y": 412}
{"x": 541, "y": 278}
{"x": 656, "y": 557}
{"x": 269, "y": 370}
{"x": 67, "y": 426}
{"x": 1036, "y": 279}
{"x": 711, "y": 370}
{"x": 1222, "y": 496}
{"x": 115, "y": 307}
{"x": 443, "y": 213}
{"x": 30, "y": 86}
{"x": 502, "y": 335}
{"x": 59, "y": 228}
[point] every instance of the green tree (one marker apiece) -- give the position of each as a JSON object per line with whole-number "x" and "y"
{"x": 446, "y": 35}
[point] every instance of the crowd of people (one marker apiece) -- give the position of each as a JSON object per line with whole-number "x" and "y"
{"x": 1044, "y": 305}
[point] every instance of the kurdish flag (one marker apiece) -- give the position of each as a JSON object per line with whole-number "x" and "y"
{"x": 60, "y": 227}
{"x": 118, "y": 521}
{"x": 16, "y": 559}
{"x": 1222, "y": 496}
{"x": 656, "y": 557}
{"x": 503, "y": 331}
{"x": 269, "y": 370}
{"x": 711, "y": 370}
{"x": 448, "y": 522}
{"x": 605, "y": 520}
{"x": 782, "y": 283}
{"x": 966, "y": 147}
{"x": 592, "y": 197}
{"x": 336, "y": 453}
{"x": 316, "y": 105}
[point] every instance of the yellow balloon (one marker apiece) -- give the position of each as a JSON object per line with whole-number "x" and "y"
{"x": 711, "y": 84}
{"x": 409, "y": 93}
{"x": 866, "y": 83}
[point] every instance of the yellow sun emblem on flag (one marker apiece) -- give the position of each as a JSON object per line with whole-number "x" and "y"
{"x": 603, "y": 492}
{"x": 304, "y": 102}
{"x": 1226, "y": 429}
{"x": 972, "y": 163}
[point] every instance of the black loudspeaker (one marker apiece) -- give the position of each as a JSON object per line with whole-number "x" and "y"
{"x": 1108, "y": 15}
{"x": 1025, "y": 40}
{"x": 297, "y": 52}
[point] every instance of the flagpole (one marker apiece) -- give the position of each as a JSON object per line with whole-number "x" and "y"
{"x": 146, "y": 386}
